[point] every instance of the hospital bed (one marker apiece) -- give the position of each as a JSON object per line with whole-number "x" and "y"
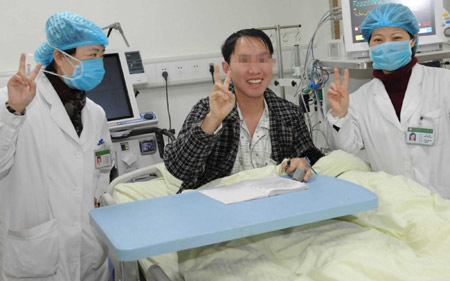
{"x": 406, "y": 238}
{"x": 149, "y": 270}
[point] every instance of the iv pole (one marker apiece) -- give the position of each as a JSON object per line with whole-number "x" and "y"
{"x": 277, "y": 29}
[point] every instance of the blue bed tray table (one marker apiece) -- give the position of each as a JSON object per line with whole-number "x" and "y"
{"x": 172, "y": 223}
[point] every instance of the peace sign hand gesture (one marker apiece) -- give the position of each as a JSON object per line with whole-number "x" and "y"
{"x": 338, "y": 94}
{"x": 221, "y": 102}
{"x": 22, "y": 89}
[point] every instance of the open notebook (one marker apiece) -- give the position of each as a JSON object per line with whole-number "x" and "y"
{"x": 254, "y": 189}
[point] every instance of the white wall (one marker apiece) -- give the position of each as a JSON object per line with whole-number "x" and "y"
{"x": 447, "y": 4}
{"x": 161, "y": 29}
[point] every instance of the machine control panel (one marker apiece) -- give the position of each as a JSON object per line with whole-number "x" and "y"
{"x": 134, "y": 62}
{"x": 146, "y": 118}
{"x": 148, "y": 145}
{"x": 446, "y": 23}
{"x": 135, "y": 152}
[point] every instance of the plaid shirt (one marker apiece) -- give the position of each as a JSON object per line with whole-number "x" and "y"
{"x": 197, "y": 158}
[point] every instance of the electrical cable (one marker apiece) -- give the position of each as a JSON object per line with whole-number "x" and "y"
{"x": 165, "y": 75}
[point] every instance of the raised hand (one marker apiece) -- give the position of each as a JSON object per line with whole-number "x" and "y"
{"x": 22, "y": 89}
{"x": 221, "y": 102}
{"x": 338, "y": 94}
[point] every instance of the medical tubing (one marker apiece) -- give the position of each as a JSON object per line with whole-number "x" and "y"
{"x": 307, "y": 115}
{"x": 150, "y": 130}
{"x": 320, "y": 105}
{"x": 316, "y": 68}
{"x": 323, "y": 134}
{"x": 165, "y": 75}
{"x": 304, "y": 74}
{"x": 169, "y": 134}
{"x": 329, "y": 15}
{"x": 321, "y": 131}
{"x": 160, "y": 143}
{"x": 311, "y": 46}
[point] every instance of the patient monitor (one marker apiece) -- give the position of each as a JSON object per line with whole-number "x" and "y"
{"x": 429, "y": 15}
{"x": 124, "y": 69}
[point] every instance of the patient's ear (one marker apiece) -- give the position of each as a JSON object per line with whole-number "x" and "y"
{"x": 225, "y": 66}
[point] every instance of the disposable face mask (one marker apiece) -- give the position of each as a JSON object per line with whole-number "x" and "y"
{"x": 87, "y": 74}
{"x": 391, "y": 55}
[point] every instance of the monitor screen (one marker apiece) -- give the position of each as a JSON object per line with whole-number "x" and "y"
{"x": 427, "y": 13}
{"x": 112, "y": 93}
{"x": 422, "y": 10}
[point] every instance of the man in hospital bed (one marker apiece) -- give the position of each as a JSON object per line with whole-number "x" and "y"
{"x": 242, "y": 124}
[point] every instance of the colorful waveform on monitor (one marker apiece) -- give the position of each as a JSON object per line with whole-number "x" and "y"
{"x": 365, "y": 3}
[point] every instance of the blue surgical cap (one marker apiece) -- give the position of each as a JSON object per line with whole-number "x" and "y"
{"x": 66, "y": 31}
{"x": 395, "y": 15}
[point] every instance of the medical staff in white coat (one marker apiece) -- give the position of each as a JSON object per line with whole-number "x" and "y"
{"x": 403, "y": 98}
{"x": 55, "y": 158}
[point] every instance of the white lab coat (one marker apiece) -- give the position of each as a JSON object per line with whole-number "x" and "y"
{"x": 373, "y": 124}
{"x": 48, "y": 182}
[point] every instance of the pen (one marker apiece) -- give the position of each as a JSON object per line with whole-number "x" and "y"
{"x": 309, "y": 161}
{"x": 288, "y": 164}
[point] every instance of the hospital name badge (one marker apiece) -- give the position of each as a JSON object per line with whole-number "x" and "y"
{"x": 103, "y": 159}
{"x": 422, "y": 136}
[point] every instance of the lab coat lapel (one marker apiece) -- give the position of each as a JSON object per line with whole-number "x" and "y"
{"x": 412, "y": 99}
{"x": 384, "y": 103}
{"x": 88, "y": 129}
{"x": 57, "y": 111}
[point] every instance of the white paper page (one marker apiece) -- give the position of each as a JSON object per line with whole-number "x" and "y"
{"x": 252, "y": 189}
{"x": 273, "y": 184}
{"x": 233, "y": 193}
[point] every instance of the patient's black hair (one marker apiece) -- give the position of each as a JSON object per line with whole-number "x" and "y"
{"x": 230, "y": 43}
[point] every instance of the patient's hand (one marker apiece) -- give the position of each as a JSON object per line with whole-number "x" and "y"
{"x": 221, "y": 102}
{"x": 297, "y": 163}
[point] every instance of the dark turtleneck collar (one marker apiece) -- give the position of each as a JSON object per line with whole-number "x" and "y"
{"x": 398, "y": 78}
{"x": 396, "y": 83}
{"x": 73, "y": 100}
